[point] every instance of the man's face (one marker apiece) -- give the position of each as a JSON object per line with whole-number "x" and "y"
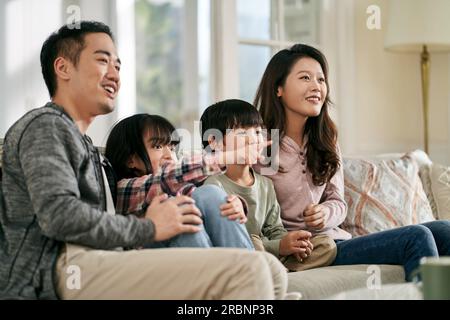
{"x": 95, "y": 82}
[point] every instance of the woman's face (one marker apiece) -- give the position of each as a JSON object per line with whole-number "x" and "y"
{"x": 305, "y": 89}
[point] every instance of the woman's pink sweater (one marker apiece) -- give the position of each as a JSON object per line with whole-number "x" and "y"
{"x": 295, "y": 191}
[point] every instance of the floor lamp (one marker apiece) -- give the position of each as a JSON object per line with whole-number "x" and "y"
{"x": 419, "y": 26}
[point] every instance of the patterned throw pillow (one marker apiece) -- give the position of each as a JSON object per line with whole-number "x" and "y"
{"x": 383, "y": 194}
{"x": 440, "y": 184}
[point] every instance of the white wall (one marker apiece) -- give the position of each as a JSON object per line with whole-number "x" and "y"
{"x": 24, "y": 25}
{"x": 22, "y": 32}
{"x": 387, "y": 113}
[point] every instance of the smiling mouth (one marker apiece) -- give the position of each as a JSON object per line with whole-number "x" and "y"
{"x": 110, "y": 90}
{"x": 314, "y": 99}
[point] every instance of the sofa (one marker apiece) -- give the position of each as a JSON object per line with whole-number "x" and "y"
{"x": 419, "y": 189}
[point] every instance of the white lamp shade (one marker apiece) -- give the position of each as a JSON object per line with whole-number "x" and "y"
{"x": 414, "y": 23}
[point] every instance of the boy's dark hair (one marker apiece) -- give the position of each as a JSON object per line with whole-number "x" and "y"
{"x": 68, "y": 42}
{"x": 229, "y": 114}
{"x": 126, "y": 139}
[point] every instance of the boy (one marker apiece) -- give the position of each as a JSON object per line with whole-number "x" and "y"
{"x": 229, "y": 125}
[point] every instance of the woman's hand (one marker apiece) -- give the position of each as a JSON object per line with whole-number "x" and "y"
{"x": 233, "y": 209}
{"x": 315, "y": 216}
{"x": 297, "y": 243}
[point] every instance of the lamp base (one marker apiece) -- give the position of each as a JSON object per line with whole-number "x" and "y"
{"x": 425, "y": 71}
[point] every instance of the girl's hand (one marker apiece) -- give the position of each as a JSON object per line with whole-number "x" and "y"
{"x": 315, "y": 216}
{"x": 296, "y": 242}
{"x": 233, "y": 209}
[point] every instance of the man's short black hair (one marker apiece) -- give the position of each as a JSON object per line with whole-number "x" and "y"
{"x": 229, "y": 114}
{"x": 67, "y": 42}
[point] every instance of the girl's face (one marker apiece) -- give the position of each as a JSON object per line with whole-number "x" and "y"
{"x": 305, "y": 89}
{"x": 157, "y": 154}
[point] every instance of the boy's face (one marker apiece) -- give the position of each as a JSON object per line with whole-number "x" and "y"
{"x": 236, "y": 139}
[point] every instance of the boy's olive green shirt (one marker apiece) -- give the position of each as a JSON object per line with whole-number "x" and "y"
{"x": 263, "y": 209}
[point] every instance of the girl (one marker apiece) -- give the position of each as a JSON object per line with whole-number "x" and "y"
{"x": 293, "y": 97}
{"x": 141, "y": 149}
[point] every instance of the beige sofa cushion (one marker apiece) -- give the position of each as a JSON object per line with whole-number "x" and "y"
{"x": 440, "y": 184}
{"x": 425, "y": 176}
{"x": 324, "y": 282}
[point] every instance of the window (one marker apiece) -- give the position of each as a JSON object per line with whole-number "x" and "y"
{"x": 267, "y": 26}
{"x": 24, "y": 26}
{"x": 172, "y": 59}
{"x": 191, "y": 53}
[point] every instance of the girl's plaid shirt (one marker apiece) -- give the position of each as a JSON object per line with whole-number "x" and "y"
{"x": 135, "y": 195}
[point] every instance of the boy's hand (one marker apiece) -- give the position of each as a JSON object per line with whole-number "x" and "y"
{"x": 233, "y": 209}
{"x": 308, "y": 250}
{"x": 173, "y": 216}
{"x": 315, "y": 216}
{"x": 296, "y": 242}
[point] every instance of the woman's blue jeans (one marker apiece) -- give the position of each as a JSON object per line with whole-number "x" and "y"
{"x": 402, "y": 246}
{"x": 217, "y": 231}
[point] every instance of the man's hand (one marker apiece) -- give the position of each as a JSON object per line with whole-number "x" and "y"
{"x": 296, "y": 242}
{"x": 233, "y": 209}
{"x": 315, "y": 216}
{"x": 249, "y": 153}
{"x": 173, "y": 216}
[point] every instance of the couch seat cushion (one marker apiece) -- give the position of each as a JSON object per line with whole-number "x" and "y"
{"x": 324, "y": 282}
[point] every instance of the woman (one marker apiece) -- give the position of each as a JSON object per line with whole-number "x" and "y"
{"x": 293, "y": 97}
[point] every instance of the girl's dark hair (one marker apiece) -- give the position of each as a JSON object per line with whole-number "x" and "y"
{"x": 322, "y": 155}
{"x": 229, "y": 114}
{"x": 127, "y": 138}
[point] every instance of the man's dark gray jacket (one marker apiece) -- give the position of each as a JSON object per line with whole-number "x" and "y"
{"x": 53, "y": 193}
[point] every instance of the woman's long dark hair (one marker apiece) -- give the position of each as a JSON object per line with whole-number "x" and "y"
{"x": 127, "y": 138}
{"x": 322, "y": 155}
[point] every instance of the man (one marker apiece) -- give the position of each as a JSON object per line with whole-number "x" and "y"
{"x": 60, "y": 237}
